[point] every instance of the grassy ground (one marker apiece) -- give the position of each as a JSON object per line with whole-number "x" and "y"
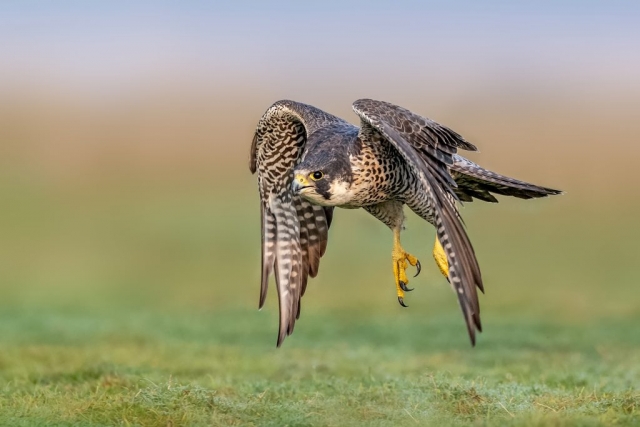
{"x": 136, "y": 307}
{"x": 126, "y": 368}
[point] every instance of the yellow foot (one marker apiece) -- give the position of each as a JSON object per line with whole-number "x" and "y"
{"x": 401, "y": 261}
{"x": 441, "y": 259}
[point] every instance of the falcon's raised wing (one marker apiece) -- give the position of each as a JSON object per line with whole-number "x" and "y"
{"x": 294, "y": 231}
{"x": 428, "y": 148}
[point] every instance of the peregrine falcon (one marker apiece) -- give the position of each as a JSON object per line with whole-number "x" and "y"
{"x": 309, "y": 161}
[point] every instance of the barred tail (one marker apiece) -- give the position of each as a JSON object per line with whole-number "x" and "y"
{"x": 475, "y": 181}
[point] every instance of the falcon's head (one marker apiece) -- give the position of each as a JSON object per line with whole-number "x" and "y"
{"x": 324, "y": 176}
{"x": 321, "y": 186}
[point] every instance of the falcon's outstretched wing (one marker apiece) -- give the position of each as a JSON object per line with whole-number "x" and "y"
{"x": 475, "y": 181}
{"x": 429, "y": 148}
{"x": 294, "y": 231}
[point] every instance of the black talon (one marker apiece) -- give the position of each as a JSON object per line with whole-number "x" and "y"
{"x": 404, "y": 287}
{"x": 418, "y": 267}
{"x": 401, "y": 301}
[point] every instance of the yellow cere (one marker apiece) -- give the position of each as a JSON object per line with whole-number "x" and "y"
{"x": 302, "y": 180}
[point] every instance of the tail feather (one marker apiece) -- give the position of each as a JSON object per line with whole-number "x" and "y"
{"x": 476, "y": 182}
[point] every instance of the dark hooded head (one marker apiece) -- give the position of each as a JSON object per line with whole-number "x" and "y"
{"x": 324, "y": 176}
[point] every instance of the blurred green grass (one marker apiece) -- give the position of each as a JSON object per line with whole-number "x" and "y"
{"x": 154, "y": 369}
{"x": 134, "y": 304}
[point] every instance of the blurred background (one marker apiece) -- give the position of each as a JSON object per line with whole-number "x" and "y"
{"x": 124, "y": 142}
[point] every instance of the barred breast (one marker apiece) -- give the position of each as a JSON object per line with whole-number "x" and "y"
{"x": 379, "y": 174}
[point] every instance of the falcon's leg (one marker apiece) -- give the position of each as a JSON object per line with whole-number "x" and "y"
{"x": 424, "y": 209}
{"x": 401, "y": 261}
{"x": 441, "y": 258}
{"x": 390, "y": 213}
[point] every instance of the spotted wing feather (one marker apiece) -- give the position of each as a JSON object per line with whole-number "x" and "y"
{"x": 429, "y": 150}
{"x": 436, "y": 144}
{"x": 294, "y": 232}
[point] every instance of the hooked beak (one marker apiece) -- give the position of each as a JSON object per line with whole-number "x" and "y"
{"x": 299, "y": 183}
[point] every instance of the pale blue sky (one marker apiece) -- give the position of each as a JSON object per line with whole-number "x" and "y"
{"x": 98, "y": 46}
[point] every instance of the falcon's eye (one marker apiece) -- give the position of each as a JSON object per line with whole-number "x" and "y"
{"x": 316, "y": 175}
